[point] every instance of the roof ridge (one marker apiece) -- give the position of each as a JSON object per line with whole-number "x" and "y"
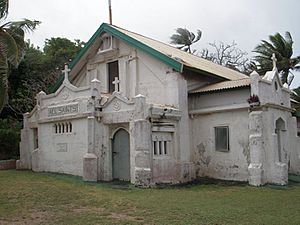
{"x": 121, "y": 28}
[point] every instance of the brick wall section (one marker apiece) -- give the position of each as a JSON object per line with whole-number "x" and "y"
{"x": 7, "y": 164}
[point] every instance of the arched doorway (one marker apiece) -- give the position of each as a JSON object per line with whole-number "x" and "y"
{"x": 279, "y": 129}
{"x": 121, "y": 155}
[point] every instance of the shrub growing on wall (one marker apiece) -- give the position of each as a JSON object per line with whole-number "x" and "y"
{"x": 9, "y": 139}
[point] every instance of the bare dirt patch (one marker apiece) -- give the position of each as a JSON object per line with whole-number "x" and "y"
{"x": 32, "y": 218}
{"x": 122, "y": 217}
{"x": 83, "y": 209}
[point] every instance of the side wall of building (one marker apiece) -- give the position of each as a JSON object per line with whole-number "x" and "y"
{"x": 231, "y": 165}
{"x": 220, "y": 109}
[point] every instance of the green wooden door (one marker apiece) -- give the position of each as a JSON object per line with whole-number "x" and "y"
{"x": 121, "y": 155}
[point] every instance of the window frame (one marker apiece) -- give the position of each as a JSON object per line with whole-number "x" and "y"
{"x": 106, "y": 39}
{"x": 162, "y": 144}
{"x": 217, "y": 148}
{"x": 61, "y": 128}
{"x": 110, "y": 86}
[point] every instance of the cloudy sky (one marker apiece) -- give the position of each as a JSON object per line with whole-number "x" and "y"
{"x": 244, "y": 21}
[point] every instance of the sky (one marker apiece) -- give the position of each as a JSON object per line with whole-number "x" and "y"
{"x": 246, "y": 22}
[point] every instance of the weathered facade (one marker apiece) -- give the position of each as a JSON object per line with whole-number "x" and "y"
{"x": 135, "y": 109}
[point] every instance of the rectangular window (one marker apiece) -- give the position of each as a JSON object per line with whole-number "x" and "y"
{"x": 222, "y": 138}
{"x": 62, "y": 128}
{"x": 162, "y": 143}
{"x": 36, "y": 138}
{"x": 113, "y": 72}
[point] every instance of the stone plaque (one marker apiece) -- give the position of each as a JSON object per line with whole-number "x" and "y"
{"x": 63, "y": 110}
{"x": 62, "y": 147}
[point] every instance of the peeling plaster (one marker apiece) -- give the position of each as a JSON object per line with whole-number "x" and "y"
{"x": 246, "y": 149}
{"x": 200, "y": 156}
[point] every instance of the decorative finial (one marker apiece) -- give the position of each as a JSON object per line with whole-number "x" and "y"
{"x": 66, "y": 72}
{"x": 274, "y": 61}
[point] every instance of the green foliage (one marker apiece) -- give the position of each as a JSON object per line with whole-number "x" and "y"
{"x": 9, "y": 139}
{"x": 283, "y": 49}
{"x": 185, "y": 38}
{"x": 12, "y": 46}
{"x": 295, "y": 95}
{"x": 3, "y": 8}
{"x": 60, "y": 51}
{"x": 37, "y": 71}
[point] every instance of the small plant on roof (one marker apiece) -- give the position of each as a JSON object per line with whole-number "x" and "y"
{"x": 253, "y": 99}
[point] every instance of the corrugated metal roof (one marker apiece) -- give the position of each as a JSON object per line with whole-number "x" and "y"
{"x": 224, "y": 85}
{"x": 187, "y": 59}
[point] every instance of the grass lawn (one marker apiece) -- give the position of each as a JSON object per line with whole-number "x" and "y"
{"x": 43, "y": 198}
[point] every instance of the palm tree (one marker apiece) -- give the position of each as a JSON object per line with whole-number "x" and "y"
{"x": 283, "y": 49}
{"x": 12, "y": 46}
{"x": 295, "y": 95}
{"x": 184, "y": 39}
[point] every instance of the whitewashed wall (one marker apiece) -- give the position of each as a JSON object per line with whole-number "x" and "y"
{"x": 157, "y": 81}
{"x": 294, "y": 155}
{"x": 213, "y": 109}
{"x": 231, "y": 165}
{"x": 139, "y": 73}
{"x": 62, "y": 153}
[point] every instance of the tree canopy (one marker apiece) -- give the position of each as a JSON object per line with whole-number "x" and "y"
{"x": 282, "y": 47}
{"x": 61, "y": 50}
{"x": 228, "y": 55}
{"x": 38, "y": 70}
{"x": 12, "y": 46}
{"x": 295, "y": 95}
{"x": 185, "y": 38}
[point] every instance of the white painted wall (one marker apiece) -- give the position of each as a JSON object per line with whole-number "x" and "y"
{"x": 69, "y": 162}
{"x": 139, "y": 73}
{"x": 294, "y": 155}
{"x": 157, "y": 81}
{"x": 270, "y": 146}
{"x": 232, "y": 165}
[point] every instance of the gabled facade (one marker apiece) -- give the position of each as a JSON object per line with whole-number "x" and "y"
{"x": 136, "y": 109}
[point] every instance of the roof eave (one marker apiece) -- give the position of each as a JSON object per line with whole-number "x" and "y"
{"x": 199, "y": 71}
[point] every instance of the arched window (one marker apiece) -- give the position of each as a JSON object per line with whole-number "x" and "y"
{"x": 279, "y": 129}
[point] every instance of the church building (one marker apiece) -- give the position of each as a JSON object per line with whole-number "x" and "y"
{"x": 132, "y": 108}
